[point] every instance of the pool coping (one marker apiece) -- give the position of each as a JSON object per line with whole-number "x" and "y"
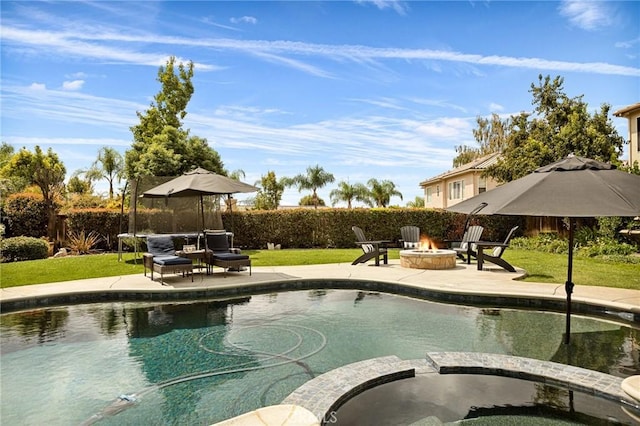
{"x": 327, "y": 392}
{"x": 624, "y": 313}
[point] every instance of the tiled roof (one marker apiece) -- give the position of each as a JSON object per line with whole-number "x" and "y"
{"x": 478, "y": 164}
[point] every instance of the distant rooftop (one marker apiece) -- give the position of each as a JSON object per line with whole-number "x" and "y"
{"x": 478, "y": 164}
{"x": 623, "y": 112}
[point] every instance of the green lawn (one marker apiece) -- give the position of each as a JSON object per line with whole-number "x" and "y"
{"x": 542, "y": 267}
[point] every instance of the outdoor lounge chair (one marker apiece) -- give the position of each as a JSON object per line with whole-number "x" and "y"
{"x": 372, "y": 249}
{"x": 410, "y": 236}
{"x": 495, "y": 256}
{"x": 219, "y": 253}
{"x": 466, "y": 246}
{"x": 161, "y": 257}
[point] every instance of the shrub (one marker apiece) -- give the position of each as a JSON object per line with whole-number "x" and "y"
{"x": 23, "y": 248}
{"x": 546, "y": 242}
{"x": 81, "y": 243}
{"x": 606, "y": 247}
{"x": 26, "y": 215}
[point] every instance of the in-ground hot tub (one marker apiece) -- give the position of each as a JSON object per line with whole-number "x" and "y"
{"x": 428, "y": 259}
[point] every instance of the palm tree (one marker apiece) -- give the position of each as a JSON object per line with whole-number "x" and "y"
{"x": 109, "y": 166}
{"x": 381, "y": 192}
{"x": 417, "y": 202}
{"x": 315, "y": 178}
{"x": 348, "y": 193}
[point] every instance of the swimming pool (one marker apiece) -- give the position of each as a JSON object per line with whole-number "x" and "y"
{"x": 205, "y": 361}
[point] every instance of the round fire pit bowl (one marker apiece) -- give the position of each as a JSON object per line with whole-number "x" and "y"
{"x": 428, "y": 259}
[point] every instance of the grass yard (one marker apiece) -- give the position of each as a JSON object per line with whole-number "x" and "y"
{"x": 541, "y": 267}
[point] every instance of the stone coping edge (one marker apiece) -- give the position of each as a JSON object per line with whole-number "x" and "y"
{"x": 552, "y": 373}
{"x": 327, "y": 392}
{"x": 556, "y": 304}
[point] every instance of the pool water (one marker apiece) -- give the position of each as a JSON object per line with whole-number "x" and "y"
{"x": 462, "y": 399}
{"x": 206, "y": 361}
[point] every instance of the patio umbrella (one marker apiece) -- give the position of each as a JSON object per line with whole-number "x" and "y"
{"x": 198, "y": 183}
{"x": 573, "y": 187}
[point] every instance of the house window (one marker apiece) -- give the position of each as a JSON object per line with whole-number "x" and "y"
{"x": 482, "y": 185}
{"x": 638, "y": 133}
{"x": 429, "y": 195}
{"x": 437, "y": 190}
{"x": 456, "y": 190}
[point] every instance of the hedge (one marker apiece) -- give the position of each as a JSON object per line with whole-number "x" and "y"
{"x": 303, "y": 228}
{"x": 25, "y": 215}
{"x": 308, "y": 228}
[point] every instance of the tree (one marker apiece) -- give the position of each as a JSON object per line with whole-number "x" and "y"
{"x": 46, "y": 171}
{"x": 417, "y": 202}
{"x": 78, "y": 185}
{"x": 491, "y": 135}
{"x": 161, "y": 147}
{"x": 348, "y": 193}
{"x": 9, "y": 184}
{"x": 270, "y": 192}
{"x": 308, "y": 200}
{"x": 315, "y": 178}
{"x": 381, "y": 192}
{"x": 559, "y": 126}
{"x": 109, "y": 165}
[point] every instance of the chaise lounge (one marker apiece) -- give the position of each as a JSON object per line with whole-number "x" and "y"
{"x": 219, "y": 253}
{"x": 161, "y": 257}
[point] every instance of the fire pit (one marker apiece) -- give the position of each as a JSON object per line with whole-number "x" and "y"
{"x": 428, "y": 259}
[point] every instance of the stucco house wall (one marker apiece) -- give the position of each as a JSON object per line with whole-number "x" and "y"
{"x": 453, "y": 186}
{"x": 632, "y": 114}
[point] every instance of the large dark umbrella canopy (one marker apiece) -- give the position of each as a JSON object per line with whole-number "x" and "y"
{"x": 199, "y": 182}
{"x": 572, "y": 187}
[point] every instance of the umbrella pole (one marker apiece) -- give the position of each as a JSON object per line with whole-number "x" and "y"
{"x": 202, "y": 213}
{"x": 568, "y": 286}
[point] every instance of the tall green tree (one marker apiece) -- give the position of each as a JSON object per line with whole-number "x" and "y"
{"x": 382, "y": 191}
{"x": 79, "y": 184}
{"x": 161, "y": 146}
{"x": 46, "y": 171}
{"x": 9, "y": 184}
{"x": 109, "y": 165}
{"x": 349, "y": 193}
{"x": 559, "y": 126}
{"x": 490, "y": 134}
{"x": 270, "y": 192}
{"x": 315, "y": 178}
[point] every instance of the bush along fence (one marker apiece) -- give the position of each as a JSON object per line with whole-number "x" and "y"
{"x": 296, "y": 228}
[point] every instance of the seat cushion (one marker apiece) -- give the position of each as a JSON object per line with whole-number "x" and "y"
{"x": 171, "y": 260}
{"x": 230, "y": 256}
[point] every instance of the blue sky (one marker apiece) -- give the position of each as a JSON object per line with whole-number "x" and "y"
{"x": 365, "y": 89}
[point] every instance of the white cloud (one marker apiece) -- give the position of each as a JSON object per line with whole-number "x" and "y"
{"x": 628, "y": 44}
{"x": 77, "y": 75}
{"x": 38, "y": 86}
{"x": 398, "y": 6}
{"x": 495, "y": 107}
{"x": 244, "y": 20}
{"x": 73, "y": 85}
{"x": 588, "y": 15}
{"x": 87, "y": 44}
